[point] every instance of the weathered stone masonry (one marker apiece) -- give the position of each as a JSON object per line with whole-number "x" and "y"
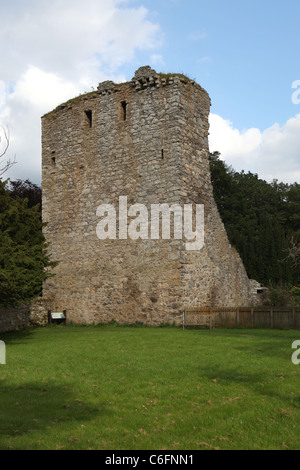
{"x": 147, "y": 140}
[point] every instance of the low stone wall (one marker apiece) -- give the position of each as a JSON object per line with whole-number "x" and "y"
{"x": 14, "y": 318}
{"x": 23, "y": 316}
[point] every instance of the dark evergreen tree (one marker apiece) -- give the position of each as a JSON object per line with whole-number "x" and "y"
{"x": 261, "y": 219}
{"x": 24, "y": 261}
{"x": 26, "y": 190}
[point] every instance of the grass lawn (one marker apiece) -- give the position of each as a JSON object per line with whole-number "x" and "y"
{"x": 121, "y": 388}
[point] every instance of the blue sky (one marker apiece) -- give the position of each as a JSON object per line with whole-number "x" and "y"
{"x": 244, "y": 53}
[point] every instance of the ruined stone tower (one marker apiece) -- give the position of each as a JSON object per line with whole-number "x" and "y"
{"x": 146, "y": 140}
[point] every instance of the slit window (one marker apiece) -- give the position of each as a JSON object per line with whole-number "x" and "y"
{"x": 162, "y": 154}
{"x": 53, "y": 158}
{"x": 89, "y": 115}
{"x": 124, "y": 108}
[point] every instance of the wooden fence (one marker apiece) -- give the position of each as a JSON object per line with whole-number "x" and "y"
{"x": 243, "y": 317}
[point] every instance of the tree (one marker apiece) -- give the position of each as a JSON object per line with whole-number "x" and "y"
{"x": 293, "y": 253}
{"x": 26, "y": 190}
{"x": 260, "y": 218}
{"x": 24, "y": 261}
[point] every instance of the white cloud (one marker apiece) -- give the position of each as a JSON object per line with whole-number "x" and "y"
{"x": 233, "y": 141}
{"x": 272, "y": 154}
{"x": 2, "y": 95}
{"x": 52, "y": 51}
{"x": 72, "y": 38}
{"x": 42, "y": 90}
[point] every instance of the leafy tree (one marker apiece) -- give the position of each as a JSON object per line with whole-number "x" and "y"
{"x": 26, "y": 190}
{"x": 260, "y": 218}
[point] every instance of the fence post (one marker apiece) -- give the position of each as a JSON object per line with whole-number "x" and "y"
{"x": 183, "y": 319}
{"x": 272, "y": 317}
{"x": 294, "y": 317}
{"x": 237, "y": 317}
{"x": 252, "y": 317}
{"x": 210, "y": 319}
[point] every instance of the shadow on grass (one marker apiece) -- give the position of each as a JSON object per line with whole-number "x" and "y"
{"x": 230, "y": 376}
{"x": 272, "y": 343}
{"x": 260, "y": 383}
{"x": 17, "y": 337}
{"x": 279, "y": 351}
{"x": 34, "y": 407}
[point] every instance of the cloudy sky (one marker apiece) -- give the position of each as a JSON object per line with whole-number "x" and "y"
{"x": 244, "y": 53}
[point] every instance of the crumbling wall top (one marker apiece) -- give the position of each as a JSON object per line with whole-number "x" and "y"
{"x": 106, "y": 86}
{"x": 144, "y": 72}
{"x": 146, "y": 77}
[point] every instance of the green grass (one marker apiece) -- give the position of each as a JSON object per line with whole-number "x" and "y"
{"x": 167, "y": 76}
{"x": 149, "y": 388}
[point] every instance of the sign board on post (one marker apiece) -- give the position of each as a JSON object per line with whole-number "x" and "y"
{"x": 57, "y": 317}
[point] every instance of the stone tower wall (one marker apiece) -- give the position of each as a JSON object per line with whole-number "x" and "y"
{"x": 146, "y": 140}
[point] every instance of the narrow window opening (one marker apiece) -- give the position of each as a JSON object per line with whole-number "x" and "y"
{"x": 124, "y": 107}
{"x": 53, "y": 159}
{"x": 89, "y": 115}
{"x": 162, "y": 154}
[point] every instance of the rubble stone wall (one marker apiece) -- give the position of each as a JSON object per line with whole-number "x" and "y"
{"x": 146, "y": 140}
